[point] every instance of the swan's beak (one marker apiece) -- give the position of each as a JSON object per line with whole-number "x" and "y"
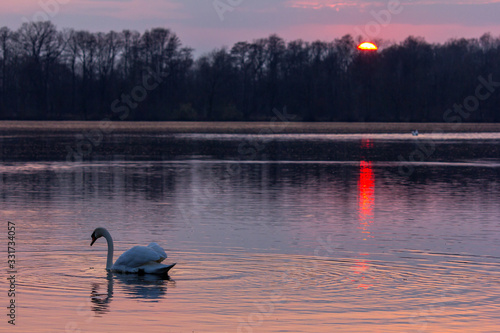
{"x": 93, "y": 240}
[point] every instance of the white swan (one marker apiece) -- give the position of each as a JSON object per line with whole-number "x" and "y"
{"x": 139, "y": 259}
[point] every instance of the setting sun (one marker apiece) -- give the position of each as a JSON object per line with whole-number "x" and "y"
{"x": 367, "y": 46}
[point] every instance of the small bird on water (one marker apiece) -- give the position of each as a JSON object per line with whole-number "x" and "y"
{"x": 414, "y": 133}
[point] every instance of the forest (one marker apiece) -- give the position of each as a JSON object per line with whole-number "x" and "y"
{"x": 51, "y": 74}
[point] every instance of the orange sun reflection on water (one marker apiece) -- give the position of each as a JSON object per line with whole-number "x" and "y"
{"x": 366, "y": 201}
{"x": 366, "y": 192}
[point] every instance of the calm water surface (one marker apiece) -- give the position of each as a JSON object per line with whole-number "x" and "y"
{"x": 278, "y": 233}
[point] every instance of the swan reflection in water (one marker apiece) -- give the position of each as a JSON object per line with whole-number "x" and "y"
{"x": 100, "y": 301}
{"x": 142, "y": 287}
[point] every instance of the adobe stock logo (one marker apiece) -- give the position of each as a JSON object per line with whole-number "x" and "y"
{"x": 382, "y": 18}
{"x": 456, "y": 115}
{"x": 471, "y": 103}
{"x": 50, "y": 8}
{"x": 223, "y": 6}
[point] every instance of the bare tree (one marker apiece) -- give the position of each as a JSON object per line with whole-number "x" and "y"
{"x": 7, "y": 52}
{"x": 42, "y": 45}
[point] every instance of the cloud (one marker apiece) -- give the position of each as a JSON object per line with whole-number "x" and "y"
{"x": 19, "y": 6}
{"x": 125, "y": 9}
{"x": 451, "y": 2}
{"x": 339, "y": 4}
{"x": 128, "y": 9}
{"x": 333, "y": 4}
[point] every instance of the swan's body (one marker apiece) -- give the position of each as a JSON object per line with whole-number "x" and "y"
{"x": 138, "y": 260}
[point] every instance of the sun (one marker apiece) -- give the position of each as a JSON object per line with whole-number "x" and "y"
{"x": 367, "y": 46}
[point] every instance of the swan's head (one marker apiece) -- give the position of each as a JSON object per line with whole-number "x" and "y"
{"x": 98, "y": 232}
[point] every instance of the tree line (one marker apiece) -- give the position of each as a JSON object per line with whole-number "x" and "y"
{"x": 51, "y": 74}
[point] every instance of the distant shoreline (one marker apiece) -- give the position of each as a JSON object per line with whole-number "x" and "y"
{"x": 171, "y": 127}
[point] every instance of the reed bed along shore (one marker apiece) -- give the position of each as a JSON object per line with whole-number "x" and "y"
{"x": 60, "y": 127}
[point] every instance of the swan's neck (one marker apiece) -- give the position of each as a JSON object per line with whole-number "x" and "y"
{"x": 109, "y": 261}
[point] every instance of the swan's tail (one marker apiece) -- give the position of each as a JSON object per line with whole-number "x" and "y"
{"x": 154, "y": 268}
{"x": 164, "y": 270}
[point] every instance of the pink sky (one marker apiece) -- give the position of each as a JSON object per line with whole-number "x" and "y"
{"x": 201, "y": 26}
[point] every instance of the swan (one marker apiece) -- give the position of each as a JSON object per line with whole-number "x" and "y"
{"x": 138, "y": 260}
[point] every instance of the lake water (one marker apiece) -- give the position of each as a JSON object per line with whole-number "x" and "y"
{"x": 270, "y": 233}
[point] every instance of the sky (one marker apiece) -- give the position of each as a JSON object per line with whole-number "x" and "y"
{"x": 208, "y": 24}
